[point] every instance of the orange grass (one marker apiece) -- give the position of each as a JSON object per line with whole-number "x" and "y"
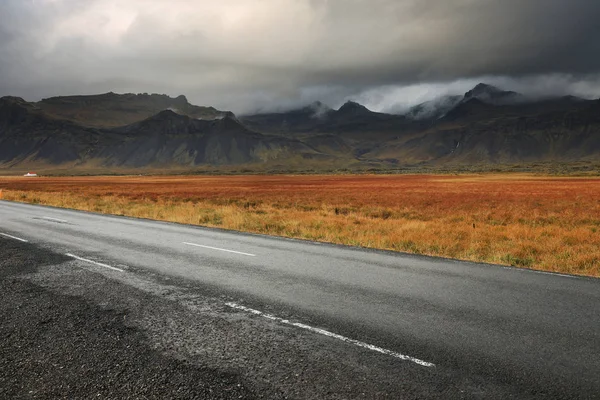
{"x": 546, "y": 223}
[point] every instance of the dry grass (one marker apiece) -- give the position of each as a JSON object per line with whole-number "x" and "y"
{"x": 546, "y": 223}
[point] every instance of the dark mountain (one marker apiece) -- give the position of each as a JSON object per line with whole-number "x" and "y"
{"x": 483, "y": 127}
{"x": 329, "y": 144}
{"x": 28, "y": 136}
{"x": 303, "y": 119}
{"x": 484, "y": 93}
{"x": 479, "y": 133}
{"x": 169, "y": 138}
{"x": 111, "y": 110}
{"x": 571, "y": 134}
{"x": 492, "y": 95}
{"x": 470, "y": 108}
{"x": 353, "y": 109}
{"x": 350, "y": 118}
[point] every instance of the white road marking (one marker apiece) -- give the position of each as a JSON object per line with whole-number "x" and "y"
{"x": 555, "y": 274}
{"x": 54, "y": 219}
{"x": 217, "y": 248}
{"x": 14, "y": 237}
{"x": 95, "y": 263}
{"x": 543, "y": 272}
{"x": 332, "y": 335}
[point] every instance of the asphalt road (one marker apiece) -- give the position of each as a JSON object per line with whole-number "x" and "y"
{"x": 445, "y": 328}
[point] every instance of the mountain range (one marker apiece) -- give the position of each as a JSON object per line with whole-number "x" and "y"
{"x": 116, "y": 132}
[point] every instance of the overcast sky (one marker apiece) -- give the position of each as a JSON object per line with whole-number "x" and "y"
{"x": 245, "y": 55}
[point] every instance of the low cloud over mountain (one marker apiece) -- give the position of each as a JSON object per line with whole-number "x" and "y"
{"x": 249, "y": 55}
{"x": 111, "y": 132}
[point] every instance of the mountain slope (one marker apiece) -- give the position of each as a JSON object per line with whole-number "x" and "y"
{"x": 169, "y": 138}
{"x": 483, "y": 93}
{"x": 28, "y": 136}
{"x": 492, "y": 95}
{"x": 302, "y": 119}
{"x": 486, "y": 126}
{"x": 350, "y": 118}
{"x": 479, "y": 133}
{"x": 111, "y": 110}
{"x": 433, "y": 109}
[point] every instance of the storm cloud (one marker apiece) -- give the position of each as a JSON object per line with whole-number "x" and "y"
{"x": 247, "y": 55}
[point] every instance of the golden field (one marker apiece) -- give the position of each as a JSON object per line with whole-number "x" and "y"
{"x": 540, "y": 222}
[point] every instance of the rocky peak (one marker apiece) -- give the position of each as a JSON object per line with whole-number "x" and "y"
{"x": 168, "y": 114}
{"x": 352, "y": 107}
{"x": 482, "y": 89}
{"x": 12, "y": 99}
{"x": 493, "y": 95}
{"x": 230, "y": 123}
{"x": 181, "y": 100}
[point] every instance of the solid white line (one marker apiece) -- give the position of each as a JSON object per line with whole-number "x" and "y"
{"x": 332, "y": 335}
{"x": 555, "y": 274}
{"x": 217, "y": 248}
{"x": 54, "y": 219}
{"x": 543, "y": 272}
{"x": 14, "y": 237}
{"x": 94, "y": 262}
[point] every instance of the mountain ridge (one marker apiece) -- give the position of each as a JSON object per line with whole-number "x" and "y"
{"x": 109, "y": 110}
{"x": 478, "y": 129}
{"x": 29, "y": 136}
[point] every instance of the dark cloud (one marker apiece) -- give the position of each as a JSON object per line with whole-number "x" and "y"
{"x": 248, "y": 54}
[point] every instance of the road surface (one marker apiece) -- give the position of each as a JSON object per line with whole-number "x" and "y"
{"x": 445, "y": 328}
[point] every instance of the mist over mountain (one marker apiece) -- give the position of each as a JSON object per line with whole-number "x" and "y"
{"x": 29, "y": 136}
{"x": 350, "y": 117}
{"x": 485, "y": 93}
{"x": 433, "y": 109}
{"x": 246, "y": 55}
{"x": 485, "y": 126}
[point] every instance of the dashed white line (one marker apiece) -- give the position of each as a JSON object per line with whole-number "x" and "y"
{"x": 219, "y": 249}
{"x": 14, "y": 237}
{"x": 54, "y": 219}
{"x": 94, "y": 262}
{"x": 332, "y": 335}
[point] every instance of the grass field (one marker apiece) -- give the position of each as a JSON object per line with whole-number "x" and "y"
{"x": 539, "y": 222}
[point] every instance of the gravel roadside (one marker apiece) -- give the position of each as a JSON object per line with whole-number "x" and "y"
{"x": 56, "y": 346}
